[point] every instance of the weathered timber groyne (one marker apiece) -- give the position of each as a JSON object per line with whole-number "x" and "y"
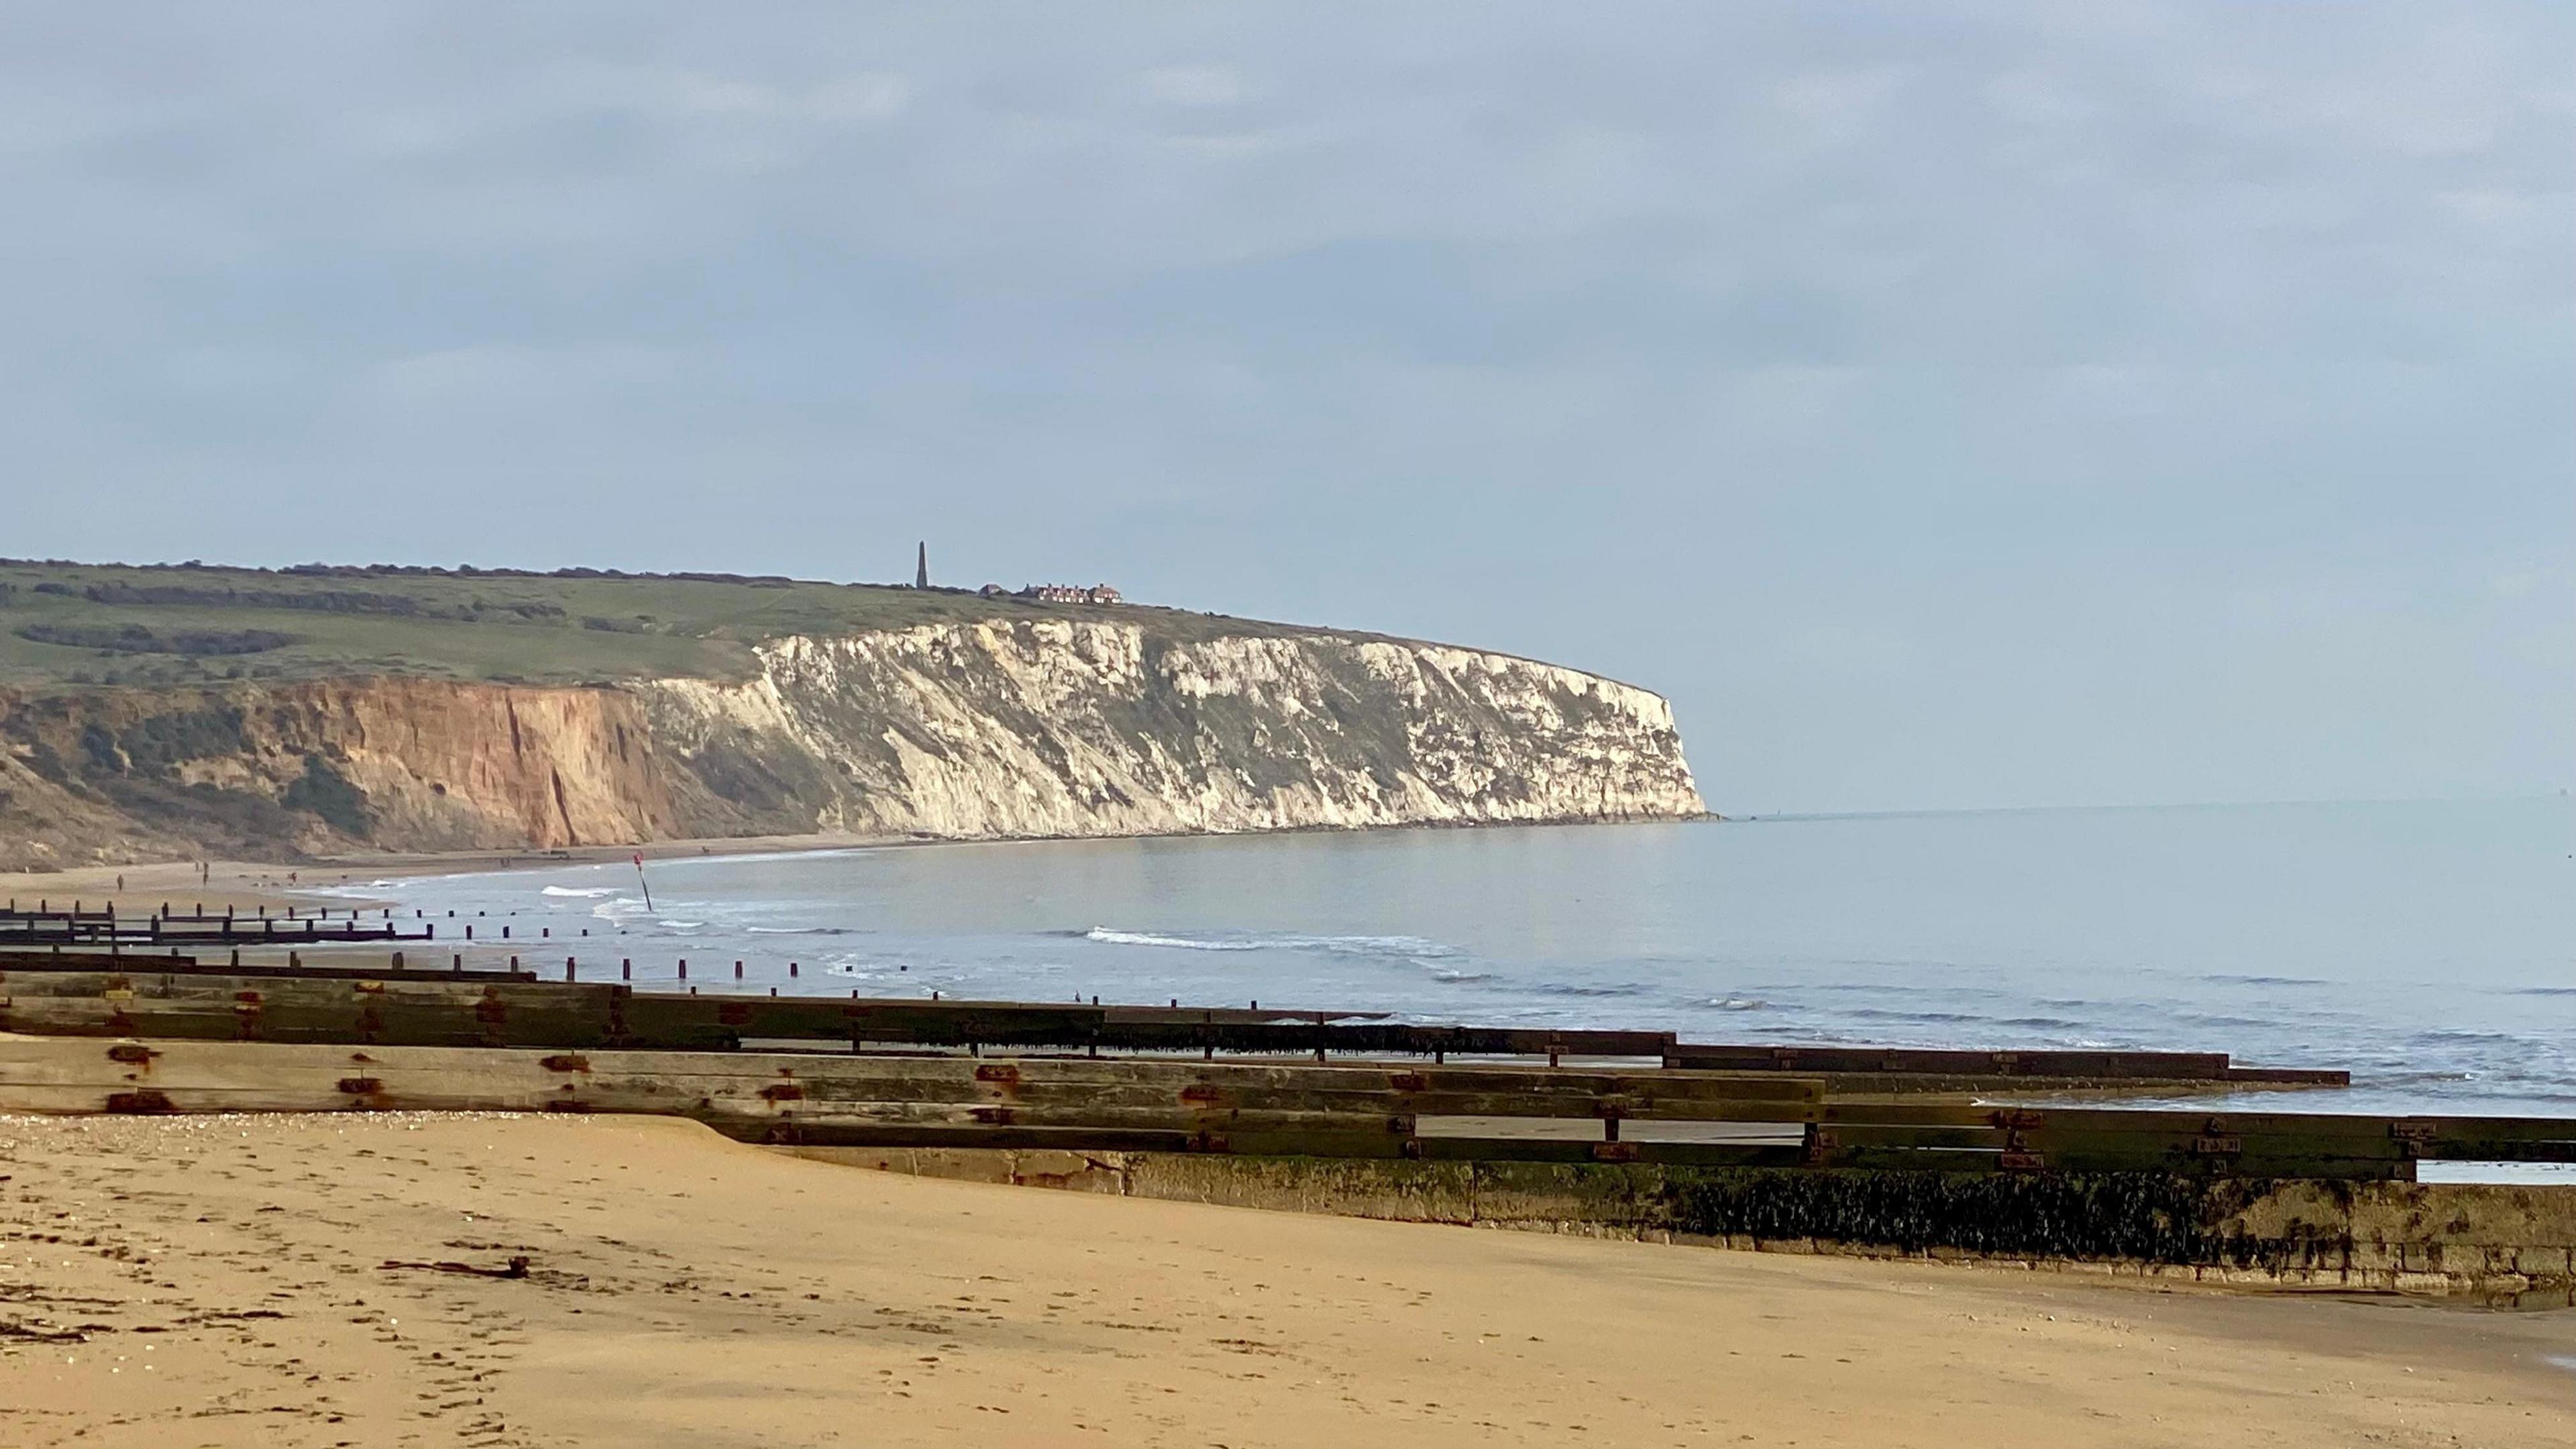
{"x": 1825, "y": 1148}
{"x": 178, "y": 996}
{"x": 2509, "y": 1245}
{"x": 513, "y": 1045}
{"x": 1338, "y": 1140}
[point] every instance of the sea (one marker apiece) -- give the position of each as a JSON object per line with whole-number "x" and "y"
{"x": 2429, "y": 947}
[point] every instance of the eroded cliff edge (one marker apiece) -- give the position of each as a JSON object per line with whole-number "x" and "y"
{"x": 1049, "y": 727}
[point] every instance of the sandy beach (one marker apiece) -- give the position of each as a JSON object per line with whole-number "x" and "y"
{"x": 229, "y": 1281}
{"x": 248, "y": 884}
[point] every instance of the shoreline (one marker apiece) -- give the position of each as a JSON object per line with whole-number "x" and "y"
{"x": 248, "y": 884}
{"x": 138, "y": 888}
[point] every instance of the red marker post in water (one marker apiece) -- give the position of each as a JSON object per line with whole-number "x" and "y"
{"x": 640, "y": 880}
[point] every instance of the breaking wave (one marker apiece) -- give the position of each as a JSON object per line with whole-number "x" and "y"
{"x": 1402, "y": 948}
{"x": 1106, "y": 936}
{"x": 584, "y": 894}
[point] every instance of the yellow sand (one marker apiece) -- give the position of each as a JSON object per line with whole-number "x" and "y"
{"x": 142, "y": 889}
{"x": 224, "y": 1275}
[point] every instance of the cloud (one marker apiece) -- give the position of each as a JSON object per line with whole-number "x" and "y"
{"x": 2017, "y": 337}
{"x": 1195, "y": 85}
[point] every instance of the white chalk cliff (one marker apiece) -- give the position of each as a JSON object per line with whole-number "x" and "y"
{"x": 1046, "y": 727}
{"x": 1084, "y": 728}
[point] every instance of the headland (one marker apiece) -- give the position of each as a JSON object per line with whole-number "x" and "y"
{"x": 188, "y": 712}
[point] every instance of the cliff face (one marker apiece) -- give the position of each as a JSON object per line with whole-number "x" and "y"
{"x": 408, "y": 764}
{"x": 1033, "y": 728}
{"x": 1066, "y": 728}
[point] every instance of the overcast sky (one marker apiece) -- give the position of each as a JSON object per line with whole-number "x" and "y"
{"x": 1946, "y": 405}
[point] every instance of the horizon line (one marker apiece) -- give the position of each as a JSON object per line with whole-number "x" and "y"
{"x": 2544, "y": 793}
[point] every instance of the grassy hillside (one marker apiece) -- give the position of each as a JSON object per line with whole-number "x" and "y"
{"x": 72, "y": 624}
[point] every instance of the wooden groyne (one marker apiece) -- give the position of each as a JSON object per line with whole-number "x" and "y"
{"x": 2282, "y": 1200}
{"x": 1836, "y": 1148}
{"x": 401, "y": 1003}
{"x": 1486, "y": 1111}
{"x": 2502, "y": 1245}
{"x": 21, "y": 929}
{"x": 871, "y": 1072}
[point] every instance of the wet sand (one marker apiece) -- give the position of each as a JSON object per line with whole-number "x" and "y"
{"x": 141, "y": 889}
{"x": 223, "y": 1281}
{"x": 248, "y": 885}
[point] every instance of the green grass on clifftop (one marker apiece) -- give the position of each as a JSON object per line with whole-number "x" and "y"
{"x": 69, "y": 625}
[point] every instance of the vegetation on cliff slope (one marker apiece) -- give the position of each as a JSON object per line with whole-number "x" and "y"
{"x": 76, "y": 624}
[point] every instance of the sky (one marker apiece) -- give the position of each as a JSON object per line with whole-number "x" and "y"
{"x": 1945, "y": 405}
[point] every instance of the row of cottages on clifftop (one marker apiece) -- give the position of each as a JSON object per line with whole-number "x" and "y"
{"x": 1058, "y": 593}
{"x": 1040, "y": 593}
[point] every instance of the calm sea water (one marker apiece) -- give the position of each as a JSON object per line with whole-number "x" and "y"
{"x": 2431, "y": 948}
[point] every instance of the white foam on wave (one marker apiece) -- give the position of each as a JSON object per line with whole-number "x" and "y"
{"x": 583, "y": 894}
{"x": 1410, "y": 948}
{"x": 680, "y": 925}
{"x": 797, "y": 930}
{"x": 1108, "y": 937}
